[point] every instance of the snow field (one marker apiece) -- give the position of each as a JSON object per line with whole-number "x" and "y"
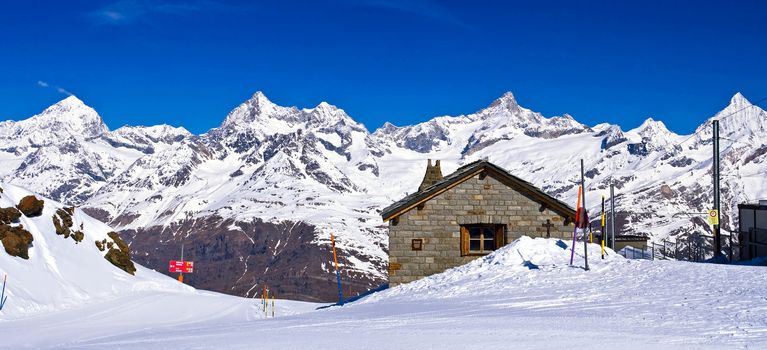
{"x": 524, "y": 296}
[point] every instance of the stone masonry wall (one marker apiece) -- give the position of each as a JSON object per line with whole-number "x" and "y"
{"x": 474, "y": 201}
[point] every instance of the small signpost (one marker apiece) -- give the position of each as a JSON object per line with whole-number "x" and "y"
{"x": 177, "y": 266}
{"x": 713, "y": 217}
{"x": 180, "y": 266}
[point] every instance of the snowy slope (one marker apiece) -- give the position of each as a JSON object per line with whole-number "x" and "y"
{"x": 273, "y": 165}
{"x": 522, "y": 296}
{"x": 61, "y": 274}
{"x": 73, "y": 285}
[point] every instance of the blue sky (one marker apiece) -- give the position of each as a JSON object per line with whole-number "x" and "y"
{"x": 145, "y": 62}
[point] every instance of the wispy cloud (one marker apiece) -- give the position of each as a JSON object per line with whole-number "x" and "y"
{"x": 44, "y": 84}
{"x": 424, "y": 8}
{"x": 128, "y": 11}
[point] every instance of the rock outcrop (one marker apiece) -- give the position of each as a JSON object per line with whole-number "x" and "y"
{"x": 16, "y": 240}
{"x": 9, "y": 215}
{"x": 30, "y": 206}
{"x": 120, "y": 256}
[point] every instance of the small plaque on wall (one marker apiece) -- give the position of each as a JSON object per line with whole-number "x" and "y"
{"x": 416, "y": 244}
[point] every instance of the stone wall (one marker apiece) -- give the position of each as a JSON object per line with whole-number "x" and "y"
{"x": 474, "y": 201}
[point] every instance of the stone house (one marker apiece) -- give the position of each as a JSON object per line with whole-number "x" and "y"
{"x": 454, "y": 219}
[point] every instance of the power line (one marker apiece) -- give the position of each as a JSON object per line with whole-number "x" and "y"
{"x": 722, "y": 117}
{"x": 702, "y": 128}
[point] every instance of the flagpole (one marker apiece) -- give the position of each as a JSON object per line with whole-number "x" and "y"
{"x": 575, "y": 229}
{"x": 585, "y": 215}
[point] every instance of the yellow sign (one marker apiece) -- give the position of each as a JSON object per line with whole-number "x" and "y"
{"x": 713, "y": 217}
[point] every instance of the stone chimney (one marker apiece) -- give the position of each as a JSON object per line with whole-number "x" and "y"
{"x": 432, "y": 176}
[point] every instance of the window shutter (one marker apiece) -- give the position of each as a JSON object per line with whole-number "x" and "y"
{"x": 464, "y": 241}
{"x": 499, "y": 236}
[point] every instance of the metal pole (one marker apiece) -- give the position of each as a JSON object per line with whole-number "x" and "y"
{"x": 715, "y": 172}
{"x": 583, "y": 202}
{"x": 338, "y": 274}
{"x": 730, "y": 247}
{"x": 3, "y": 298}
{"x": 180, "y": 274}
{"x": 612, "y": 215}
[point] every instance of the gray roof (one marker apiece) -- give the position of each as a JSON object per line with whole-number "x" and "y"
{"x": 462, "y": 173}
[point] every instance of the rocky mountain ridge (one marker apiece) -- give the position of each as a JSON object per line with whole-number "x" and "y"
{"x": 268, "y": 167}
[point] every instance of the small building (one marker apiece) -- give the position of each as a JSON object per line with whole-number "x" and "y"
{"x": 634, "y": 241}
{"x": 752, "y": 230}
{"x": 454, "y": 219}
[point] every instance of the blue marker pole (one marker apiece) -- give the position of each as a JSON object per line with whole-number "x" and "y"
{"x": 338, "y": 273}
{"x": 3, "y": 298}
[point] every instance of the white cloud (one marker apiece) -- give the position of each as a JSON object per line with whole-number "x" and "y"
{"x": 127, "y": 11}
{"x": 44, "y": 84}
{"x": 65, "y": 92}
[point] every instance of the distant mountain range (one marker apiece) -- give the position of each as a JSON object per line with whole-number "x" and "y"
{"x": 255, "y": 200}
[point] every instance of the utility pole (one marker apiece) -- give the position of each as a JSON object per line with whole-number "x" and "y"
{"x": 583, "y": 218}
{"x": 715, "y": 173}
{"x": 612, "y": 215}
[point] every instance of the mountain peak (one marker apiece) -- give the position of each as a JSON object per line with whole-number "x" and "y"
{"x": 66, "y": 118}
{"x": 260, "y": 99}
{"x": 739, "y": 100}
{"x": 257, "y": 106}
{"x": 71, "y": 100}
{"x": 325, "y": 106}
{"x": 507, "y": 100}
{"x": 652, "y": 127}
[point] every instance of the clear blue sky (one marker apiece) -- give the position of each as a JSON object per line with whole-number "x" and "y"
{"x": 144, "y": 62}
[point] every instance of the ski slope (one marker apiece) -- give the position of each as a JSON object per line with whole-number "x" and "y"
{"x": 66, "y": 292}
{"x": 524, "y": 296}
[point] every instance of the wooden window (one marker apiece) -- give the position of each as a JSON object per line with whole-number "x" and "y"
{"x": 481, "y": 239}
{"x": 416, "y": 244}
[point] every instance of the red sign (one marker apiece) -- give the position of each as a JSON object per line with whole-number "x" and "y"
{"x": 181, "y": 266}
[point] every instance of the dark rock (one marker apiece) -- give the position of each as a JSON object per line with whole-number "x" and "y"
{"x": 62, "y": 222}
{"x": 681, "y": 162}
{"x": 78, "y": 236}
{"x": 120, "y": 257}
{"x": 119, "y": 241}
{"x": 30, "y": 206}
{"x": 121, "y": 260}
{"x": 100, "y": 245}
{"x": 638, "y": 149}
{"x": 222, "y": 256}
{"x": 16, "y": 240}
{"x": 9, "y": 215}
{"x": 98, "y": 214}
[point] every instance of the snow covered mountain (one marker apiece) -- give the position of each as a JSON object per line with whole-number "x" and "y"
{"x": 255, "y": 199}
